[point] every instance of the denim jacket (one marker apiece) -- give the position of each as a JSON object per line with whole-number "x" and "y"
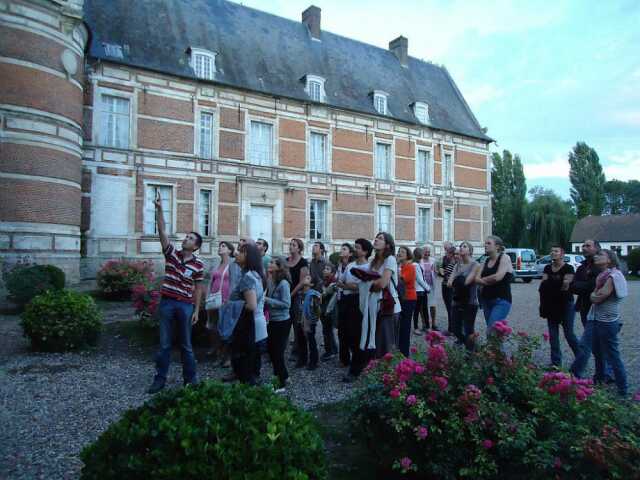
{"x": 278, "y": 300}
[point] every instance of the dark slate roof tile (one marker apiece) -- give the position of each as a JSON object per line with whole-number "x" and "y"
{"x": 607, "y": 228}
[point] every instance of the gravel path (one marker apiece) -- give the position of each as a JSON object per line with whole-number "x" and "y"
{"x": 51, "y": 405}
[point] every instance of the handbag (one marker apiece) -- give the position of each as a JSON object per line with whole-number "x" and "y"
{"x": 387, "y": 302}
{"x": 214, "y": 299}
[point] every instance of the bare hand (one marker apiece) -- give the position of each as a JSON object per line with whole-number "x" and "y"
{"x": 195, "y": 317}
{"x": 158, "y": 202}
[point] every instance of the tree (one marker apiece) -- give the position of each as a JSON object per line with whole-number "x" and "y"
{"x": 509, "y": 201}
{"x": 587, "y": 180}
{"x": 621, "y": 198}
{"x": 550, "y": 220}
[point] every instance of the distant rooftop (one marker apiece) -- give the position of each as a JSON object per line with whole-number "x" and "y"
{"x": 265, "y": 53}
{"x": 607, "y": 228}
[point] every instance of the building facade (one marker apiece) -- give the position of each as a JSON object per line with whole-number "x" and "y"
{"x": 244, "y": 123}
{"x": 620, "y": 233}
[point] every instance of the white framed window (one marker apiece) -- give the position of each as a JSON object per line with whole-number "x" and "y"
{"x": 261, "y": 147}
{"x": 203, "y": 63}
{"x": 421, "y": 111}
{"x": 447, "y": 225}
{"x": 318, "y": 152}
{"x": 423, "y": 167}
{"x": 423, "y": 227}
{"x": 383, "y": 161}
{"x": 204, "y": 213}
{"x": 205, "y": 135}
{"x": 315, "y": 88}
{"x": 166, "y": 198}
{"x": 317, "y": 219}
{"x": 384, "y": 218}
{"x": 447, "y": 170}
{"x": 115, "y": 121}
{"x": 380, "y": 102}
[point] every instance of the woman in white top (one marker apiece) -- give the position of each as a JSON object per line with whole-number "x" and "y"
{"x": 428, "y": 265}
{"x": 422, "y": 290}
{"x": 384, "y": 262}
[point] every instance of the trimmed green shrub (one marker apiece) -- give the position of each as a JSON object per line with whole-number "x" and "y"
{"x": 60, "y": 320}
{"x": 210, "y": 431}
{"x": 116, "y": 278}
{"x": 633, "y": 261}
{"x": 492, "y": 414}
{"x": 24, "y": 283}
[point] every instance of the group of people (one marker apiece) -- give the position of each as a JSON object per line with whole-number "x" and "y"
{"x": 374, "y": 297}
{"x": 599, "y": 287}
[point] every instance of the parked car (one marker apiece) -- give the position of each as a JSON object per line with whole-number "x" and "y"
{"x": 572, "y": 259}
{"x": 524, "y": 263}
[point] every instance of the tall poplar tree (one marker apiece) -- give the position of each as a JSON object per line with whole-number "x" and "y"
{"x": 587, "y": 180}
{"x": 509, "y": 189}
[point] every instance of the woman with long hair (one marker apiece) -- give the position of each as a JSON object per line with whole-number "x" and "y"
{"x": 384, "y": 262}
{"x": 494, "y": 277}
{"x": 408, "y": 298}
{"x": 250, "y": 333}
{"x": 298, "y": 269}
{"x": 464, "y": 304}
{"x": 345, "y": 304}
{"x": 278, "y": 301}
{"x": 224, "y": 277}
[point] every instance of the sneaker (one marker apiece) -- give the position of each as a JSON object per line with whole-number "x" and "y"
{"x": 327, "y": 356}
{"x": 280, "y": 390}
{"x": 417, "y": 331}
{"x": 155, "y": 387}
{"x": 312, "y": 366}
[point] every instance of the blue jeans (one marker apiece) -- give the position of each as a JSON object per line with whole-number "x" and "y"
{"x": 404, "y": 326}
{"x": 605, "y": 350}
{"x": 494, "y": 310}
{"x": 174, "y": 313}
{"x": 566, "y": 319}
{"x": 586, "y": 347}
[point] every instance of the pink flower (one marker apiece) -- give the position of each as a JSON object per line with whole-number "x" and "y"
{"x": 413, "y": 350}
{"x": 442, "y": 382}
{"x": 411, "y": 400}
{"x": 490, "y": 381}
{"x": 523, "y": 334}
{"x": 488, "y": 444}
{"x": 557, "y": 463}
{"x": 422, "y": 432}
{"x": 545, "y": 335}
{"x": 405, "y": 463}
{"x": 434, "y": 337}
{"x": 636, "y": 397}
{"x": 502, "y": 329}
{"x": 388, "y": 356}
{"x": 419, "y": 369}
{"x": 395, "y": 393}
{"x": 386, "y": 379}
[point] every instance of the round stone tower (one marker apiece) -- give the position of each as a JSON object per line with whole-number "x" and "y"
{"x": 42, "y": 46}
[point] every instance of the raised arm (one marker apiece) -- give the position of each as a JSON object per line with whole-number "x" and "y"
{"x": 164, "y": 240}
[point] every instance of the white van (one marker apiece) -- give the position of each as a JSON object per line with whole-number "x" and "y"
{"x": 524, "y": 263}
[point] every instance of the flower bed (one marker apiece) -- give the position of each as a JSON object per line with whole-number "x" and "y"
{"x": 117, "y": 278}
{"x": 450, "y": 414}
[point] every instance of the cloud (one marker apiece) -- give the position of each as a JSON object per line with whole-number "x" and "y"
{"x": 476, "y": 95}
{"x": 627, "y": 119}
{"x": 624, "y": 166}
{"x": 556, "y": 168}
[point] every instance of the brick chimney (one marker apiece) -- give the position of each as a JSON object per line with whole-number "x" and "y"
{"x": 400, "y": 48}
{"x": 311, "y": 18}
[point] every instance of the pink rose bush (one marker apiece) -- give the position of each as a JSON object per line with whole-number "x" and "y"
{"x": 117, "y": 278}
{"x": 493, "y": 413}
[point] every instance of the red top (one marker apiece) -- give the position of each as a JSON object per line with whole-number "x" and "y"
{"x": 180, "y": 277}
{"x": 408, "y": 274}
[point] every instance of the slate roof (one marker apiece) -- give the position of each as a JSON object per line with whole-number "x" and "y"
{"x": 607, "y": 228}
{"x": 265, "y": 53}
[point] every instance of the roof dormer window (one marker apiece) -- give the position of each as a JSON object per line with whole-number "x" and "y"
{"x": 315, "y": 88}
{"x": 380, "y": 102}
{"x": 421, "y": 111}
{"x": 203, "y": 63}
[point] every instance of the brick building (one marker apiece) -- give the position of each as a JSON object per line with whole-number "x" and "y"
{"x": 245, "y": 123}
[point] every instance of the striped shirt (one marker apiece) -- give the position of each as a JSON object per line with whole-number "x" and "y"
{"x": 180, "y": 277}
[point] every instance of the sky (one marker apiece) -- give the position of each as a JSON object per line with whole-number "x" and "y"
{"x": 540, "y": 75}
